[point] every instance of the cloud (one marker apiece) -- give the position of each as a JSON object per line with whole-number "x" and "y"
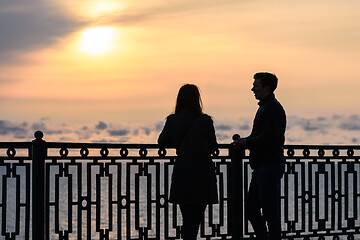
{"x": 53, "y": 132}
{"x": 38, "y": 126}
{"x": 146, "y": 130}
{"x": 159, "y": 126}
{"x": 321, "y": 130}
{"x": 351, "y": 124}
{"x": 223, "y": 127}
{"x": 224, "y": 138}
{"x": 311, "y": 126}
{"x": 20, "y": 136}
{"x": 157, "y": 11}
{"x": 101, "y": 125}
{"x": 121, "y": 132}
{"x": 355, "y": 117}
{"x": 7, "y": 127}
{"x": 244, "y": 126}
{"x": 26, "y": 26}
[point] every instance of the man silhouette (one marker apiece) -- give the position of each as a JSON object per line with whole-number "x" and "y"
{"x": 266, "y": 141}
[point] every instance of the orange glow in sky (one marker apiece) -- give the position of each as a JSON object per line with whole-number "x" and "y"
{"x": 126, "y": 60}
{"x": 101, "y": 8}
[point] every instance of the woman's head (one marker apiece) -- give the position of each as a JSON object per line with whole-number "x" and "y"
{"x": 189, "y": 100}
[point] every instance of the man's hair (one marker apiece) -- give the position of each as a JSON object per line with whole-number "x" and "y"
{"x": 267, "y": 79}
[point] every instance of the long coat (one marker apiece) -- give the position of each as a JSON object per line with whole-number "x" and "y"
{"x": 193, "y": 180}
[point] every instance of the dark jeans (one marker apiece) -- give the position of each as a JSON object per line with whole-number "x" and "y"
{"x": 264, "y": 193}
{"x": 192, "y": 215}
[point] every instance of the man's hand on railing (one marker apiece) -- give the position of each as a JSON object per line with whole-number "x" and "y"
{"x": 238, "y": 141}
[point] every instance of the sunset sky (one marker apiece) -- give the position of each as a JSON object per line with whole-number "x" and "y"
{"x": 105, "y": 65}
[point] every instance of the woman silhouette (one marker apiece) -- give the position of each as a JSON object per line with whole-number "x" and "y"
{"x": 193, "y": 182}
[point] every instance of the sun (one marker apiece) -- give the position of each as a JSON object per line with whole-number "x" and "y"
{"x": 97, "y": 40}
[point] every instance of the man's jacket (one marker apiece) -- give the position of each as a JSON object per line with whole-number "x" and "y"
{"x": 266, "y": 141}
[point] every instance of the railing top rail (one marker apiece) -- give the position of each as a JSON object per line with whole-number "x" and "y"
{"x": 153, "y": 145}
{"x": 325, "y": 147}
{"x": 15, "y": 144}
{"x": 110, "y": 145}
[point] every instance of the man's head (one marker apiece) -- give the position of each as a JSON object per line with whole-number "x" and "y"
{"x": 264, "y": 84}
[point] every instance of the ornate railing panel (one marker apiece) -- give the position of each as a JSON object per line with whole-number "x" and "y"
{"x": 321, "y": 192}
{"x": 15, "y": 194}
{"x": 120, "y": 191}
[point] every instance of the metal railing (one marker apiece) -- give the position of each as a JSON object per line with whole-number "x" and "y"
{"x": 120, "y": 191}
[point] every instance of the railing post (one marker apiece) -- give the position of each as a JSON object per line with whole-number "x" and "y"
{"x": 38, "y": 195}
{"x": 236, "y": 156}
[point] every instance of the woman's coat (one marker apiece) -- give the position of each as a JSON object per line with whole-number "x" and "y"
{"x": 193, "y": 180}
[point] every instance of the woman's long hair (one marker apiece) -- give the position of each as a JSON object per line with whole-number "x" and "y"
{"x": 189, "y": 100}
